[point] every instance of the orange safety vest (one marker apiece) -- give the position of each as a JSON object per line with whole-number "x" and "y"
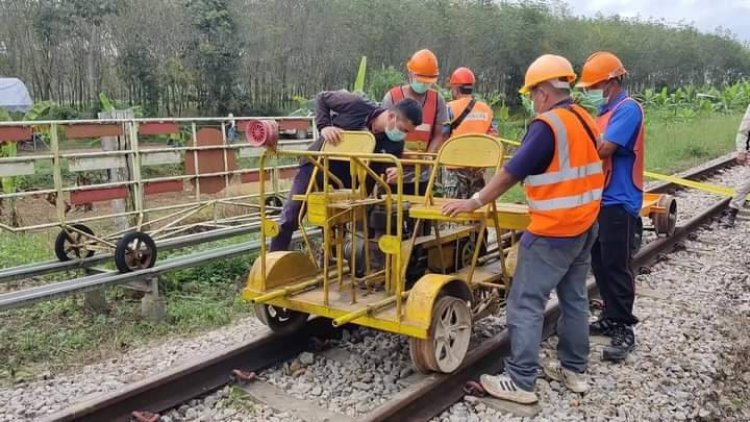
{"x": 637, "y": 173}
{"x": 479, "y": 119}
{"x": 418, "y": 139}
{"x": 564, "y": 200}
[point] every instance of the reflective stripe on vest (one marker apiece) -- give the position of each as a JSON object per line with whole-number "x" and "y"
{"x": 479, "y": 120}
{"x": 564, "y": 200}
{"x": 566, "y": 172}
{"x": 636, "y": 174}
{"x": 418, "y": 139}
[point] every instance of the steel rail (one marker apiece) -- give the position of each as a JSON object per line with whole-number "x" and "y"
{"x": 194, "y": 378}
{"x": 422, "y": 401}
{"x": 431, "y": 396}
{"x": 31, "y": 295}
{"x": 32, "y": 270}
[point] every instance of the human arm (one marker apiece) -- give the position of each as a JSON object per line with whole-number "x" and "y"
{"x": 498, "y": 185}
{"x": 533, "y": 157}
{"x": 341, "y": 102}
{"x": 441, "y": 131}
{"x": 743, "y": 138}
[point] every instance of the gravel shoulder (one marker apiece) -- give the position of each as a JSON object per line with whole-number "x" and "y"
{"x": 692, "y": 356}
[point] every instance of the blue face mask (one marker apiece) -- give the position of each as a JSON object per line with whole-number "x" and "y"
{"x": 419, "y": 87}
{"x": 395, "y": 135}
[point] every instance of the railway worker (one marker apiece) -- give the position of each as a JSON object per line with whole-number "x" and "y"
{"x": 336, "y": 111}
{"x": 467, "y": 115}
{"x": 563, "y": 179}
{"x": 621, "y": 122}
{"x": 423, "y": 72}
{"x": 743, "y": 147}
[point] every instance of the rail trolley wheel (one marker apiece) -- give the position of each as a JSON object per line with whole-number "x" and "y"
{"x": 69, "y": 244}
{"x": 280, "y": 320}
{"x": 666, "y": 223}
{"x": 135, "y": 251}
{"x": 638, "y": 237}
{"x": 273, "y": 201}
{"x": 448, "y": 340}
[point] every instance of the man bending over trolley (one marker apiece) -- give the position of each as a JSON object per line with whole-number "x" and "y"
{"x": 336, "y": 111}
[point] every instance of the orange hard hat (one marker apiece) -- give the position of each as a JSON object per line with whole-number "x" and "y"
{"x": 424, "y": 65}
{"x": 600, "y": 66}
{"x": 548, "y": 67}
{"x": 463, "y": 76}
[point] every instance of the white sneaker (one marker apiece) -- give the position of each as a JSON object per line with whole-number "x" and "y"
{"x": 574, "y": 381}
{"x": 502, "y": 387}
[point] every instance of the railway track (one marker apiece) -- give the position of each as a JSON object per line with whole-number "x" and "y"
{"x": 422, "y": 400}
{"x": 55, "y": 266}
{"x": 20, "y": 298}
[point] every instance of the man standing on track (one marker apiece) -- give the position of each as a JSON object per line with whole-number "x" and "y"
{"x": 467, "y": 115}
{"x": 423, "y": 72}
{"x": 336, "y": 111}
{"x": 743, "y": 147}
{"x": 563, "y": 179}
{"x": 621, "y": 122}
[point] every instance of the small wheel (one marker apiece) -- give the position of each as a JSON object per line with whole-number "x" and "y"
{"x": 69, "y": 244}
{"x": 449, "y": 336}
{"x": 465, "y": 253}
{"x": 637, "y": 237}
{"x": 666, "y": 223}
{"x": 280, "y": 320}
{"x": 273, "y": 201}
{"x": 135, "y": 251}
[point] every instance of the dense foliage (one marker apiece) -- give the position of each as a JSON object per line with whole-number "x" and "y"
{"x": 177, "y": 57}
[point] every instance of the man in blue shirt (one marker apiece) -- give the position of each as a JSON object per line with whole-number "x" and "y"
{"x": 621, "y": 121}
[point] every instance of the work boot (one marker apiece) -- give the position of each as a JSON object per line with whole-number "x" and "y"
{"x": 601, "y": 327}
{"x": 728, "y": 217}
{"x": 623, "y": 342}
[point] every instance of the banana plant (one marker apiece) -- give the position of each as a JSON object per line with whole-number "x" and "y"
{"x": 359, "y": 83}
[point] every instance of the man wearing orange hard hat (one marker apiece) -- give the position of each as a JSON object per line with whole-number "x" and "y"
{"x": 467, "y": 115}
{"x": 621, "y": 122}
{"x": 563, "y": 179}
{"x": 423, "y": 72}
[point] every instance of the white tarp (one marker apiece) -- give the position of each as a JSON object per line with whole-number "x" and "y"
{"x": 13, "y": 95}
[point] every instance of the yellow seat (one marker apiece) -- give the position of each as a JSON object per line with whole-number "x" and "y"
{"x": 474, "y": 151}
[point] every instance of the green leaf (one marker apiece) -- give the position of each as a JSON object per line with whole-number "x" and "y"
{"x": 39, "y": 109}
{"x": 359, "y": 84}
{"x": 106, "y": 104}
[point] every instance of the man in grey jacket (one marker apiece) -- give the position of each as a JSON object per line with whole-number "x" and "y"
{"x": 743, "y": 147}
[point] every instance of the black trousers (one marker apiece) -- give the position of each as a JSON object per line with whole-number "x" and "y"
{"x": 611, "y": 259}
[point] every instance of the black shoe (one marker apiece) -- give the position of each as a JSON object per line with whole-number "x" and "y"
{"x": 728, "y": 218}
{"x": 623, "y": 342}
{"x": 601, "y": 327}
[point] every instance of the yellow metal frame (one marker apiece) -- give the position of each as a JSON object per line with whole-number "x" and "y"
{"x": 294, "y": 280}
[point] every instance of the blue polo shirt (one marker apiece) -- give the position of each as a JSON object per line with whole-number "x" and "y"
{"x": 623, "y": 131}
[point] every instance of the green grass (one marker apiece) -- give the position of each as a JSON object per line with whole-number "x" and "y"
{"x": 673, "y": 147}
{"x": 26, "y": 248}
{"x": 62, "y": 333}
{"x": 678, "y": 146}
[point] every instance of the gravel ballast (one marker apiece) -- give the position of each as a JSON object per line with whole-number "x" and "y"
{"x": 688, "y": 365}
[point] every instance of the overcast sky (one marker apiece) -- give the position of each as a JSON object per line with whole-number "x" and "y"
{"x": 706, "y": 15}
